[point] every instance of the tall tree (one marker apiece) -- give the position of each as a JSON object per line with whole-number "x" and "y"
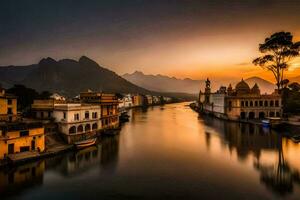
{"x": 277, "y": 50}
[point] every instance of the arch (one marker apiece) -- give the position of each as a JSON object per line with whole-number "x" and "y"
{"x": 87, "y": 127}
{"x": 79, "y": 129}
{"x": 271, "y": 114}
{"x": 243, "y": 115}
{"x": 95, "y": 126}
{"x": 261, "y": 115}
{"x": 251, "y": 115}
{"x": 72, "y": 130}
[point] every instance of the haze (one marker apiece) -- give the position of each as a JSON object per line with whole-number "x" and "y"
{"x": 181, "y": 38}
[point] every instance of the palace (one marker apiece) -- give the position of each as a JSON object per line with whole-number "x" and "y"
{"x": 240, "y": 103}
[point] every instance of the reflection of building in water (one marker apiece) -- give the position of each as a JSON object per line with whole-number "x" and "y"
{"x": 240, "y": 103}
{"x": 110, "y": 151}
{"x": 15, "y": 180}
{"x": 276, "y": 173}
{"x": 81, "y": 161}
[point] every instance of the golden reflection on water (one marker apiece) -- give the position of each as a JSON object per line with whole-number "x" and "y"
{"x": 170, "y": 150}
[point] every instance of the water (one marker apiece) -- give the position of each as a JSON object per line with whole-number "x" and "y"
{"x": 167, "y": 153}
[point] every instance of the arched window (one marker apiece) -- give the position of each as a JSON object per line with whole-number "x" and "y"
{"x": 87, "y": 127}
{"x": 266, "y": 103}
{"x": 95, "y": 126}
{"x": 272, "y": 103}
{"x": 271, "y": 114}
{"x": 79, "y": 129}
{"x": 276, "y": 103}
{"x": 246, "y": 103}
{"x": 72, "y": 130}
{"x": 251, "y": 103}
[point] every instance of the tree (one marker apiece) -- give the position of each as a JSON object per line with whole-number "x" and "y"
{"x": 277, "y": 51}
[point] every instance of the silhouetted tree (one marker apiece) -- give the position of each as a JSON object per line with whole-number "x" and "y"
{"x": 277, "y": 51}
{"x": 25, "y": 96}
{"x": 294, "y": 86}
{"x": 45, "y": 95}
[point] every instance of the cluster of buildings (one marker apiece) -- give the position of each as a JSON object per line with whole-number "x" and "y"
{"x": 137, "y": 100}
{"x": 240, "y": 103}
{"x": 75, "y": 120}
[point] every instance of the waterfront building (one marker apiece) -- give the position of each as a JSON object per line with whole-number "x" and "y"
{"x": 19, "y": 137}
{"x": 8, "y": 106}
{"x": 126, "y": 101}
{"x": 109, "y": 107}
{"x": 43, "y": 108}
{"x": 137, "y": 100}
{"x": 240, "y": 103}
{"x": 76, "y": 121}
{"x": 156, "y": 100}
{"x": 149, "y": 99}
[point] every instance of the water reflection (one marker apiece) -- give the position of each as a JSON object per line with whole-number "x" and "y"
{"x": 15, "y": 180}
{"x": 276, "y": 174}
{"x": 167, "y": 153}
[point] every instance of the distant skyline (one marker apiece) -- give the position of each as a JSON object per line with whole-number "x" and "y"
{"x": 181, "y": 38}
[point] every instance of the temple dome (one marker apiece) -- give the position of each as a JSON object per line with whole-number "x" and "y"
{"x": 242, "y": 87}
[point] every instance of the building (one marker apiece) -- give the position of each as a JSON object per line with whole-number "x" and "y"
{"x": 43, "y": 108}
{"x": 77, "y": 122}
{"x": 8, "y": 106}
{"x": 57, "y": 97}
{"x": 126, "y": 101}
{"x": 21, "y": 137}
{"x": 240, "y": 103}
{"x": 156, "y": 100}
{"x": 149, "y": 100}
{"x": 138, "y": 100}
{"x": 109, "y": 107}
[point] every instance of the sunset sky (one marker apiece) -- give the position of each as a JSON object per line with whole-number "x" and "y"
{"x": 182, "y": 38}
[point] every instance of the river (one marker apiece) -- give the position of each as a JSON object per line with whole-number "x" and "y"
{"x": 166, "y": 152}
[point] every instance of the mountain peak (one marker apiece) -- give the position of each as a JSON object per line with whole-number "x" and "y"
{"x": 137, "y": 73}
{"x": 84, "y": 60}
{"x": 47, "y": 60}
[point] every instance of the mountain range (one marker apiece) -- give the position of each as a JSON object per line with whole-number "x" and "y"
{"x": 67, "y": 77}
{"x": 163, "y": 83}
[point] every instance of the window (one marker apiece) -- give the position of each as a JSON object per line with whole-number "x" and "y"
{"x": 230, "y": 105}
{"x": 256, "y": 103}
{"x": 260, "y": 103}
{"x": 242, "y": 104}
{"x": 266, "y": 103}
{"x": 9, "y": 111}
{"x": 251, "y": 103}
{"x": 9, "y": 101}
{"x": 94, "y": 115}
{"x": 276, "y": 103}
{"x": 86, "y": 115}
{"x": 24, "y": 133}
{"x": 271, "y": 103}
{"x": 246, "y": 103}
{"x": 76, "y": 117}
{"x": 65, "y": 115}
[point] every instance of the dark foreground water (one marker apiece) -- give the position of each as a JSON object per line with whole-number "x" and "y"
{"x": 167, "y": 153}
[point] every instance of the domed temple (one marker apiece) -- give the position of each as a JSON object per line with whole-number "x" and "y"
{"x": 240, "y": 103}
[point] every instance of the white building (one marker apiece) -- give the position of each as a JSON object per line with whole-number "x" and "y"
{"x": 77, "y": 121}
{"x": 58, "y": 97}
{"x": 126, "y": 101}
